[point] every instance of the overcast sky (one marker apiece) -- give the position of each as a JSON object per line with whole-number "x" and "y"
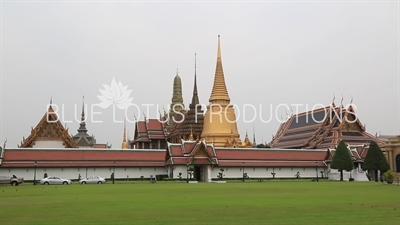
{"x": 272, "y": 52}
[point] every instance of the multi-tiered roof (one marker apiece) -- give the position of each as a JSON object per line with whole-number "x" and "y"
{"x": 322, "y": 128}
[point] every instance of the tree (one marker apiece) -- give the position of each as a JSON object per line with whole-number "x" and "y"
{"x": 263, "y": 146}
{"x": 342, "y": 159}
{"x": 375, "y": 160}
{"x": 221, "y": 174}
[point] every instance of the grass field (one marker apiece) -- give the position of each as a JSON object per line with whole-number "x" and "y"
{"x": 271, "y": 202}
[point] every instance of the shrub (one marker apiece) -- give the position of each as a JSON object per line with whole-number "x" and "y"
{"x": 388, "y": 175}
{"x": 221, "y": 174}
{"x": 161, "y": 176}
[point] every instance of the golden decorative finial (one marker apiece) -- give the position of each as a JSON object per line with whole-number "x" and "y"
{"x": 124, "y": 143}
{"x": 191, "y": 134}
{"x": 144, "y": 117}
{"x": 351, "y": 102}
{"x": 219, "y": 48}
{"x": 51, "y": 103}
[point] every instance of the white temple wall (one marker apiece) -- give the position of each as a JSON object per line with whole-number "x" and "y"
{"x": 179, "y": 169}
{"x": 136, "y": 172}
{"x": 265, "y": 172}
{"x": 358, "y": 174}
{"x": 73, "y": 173}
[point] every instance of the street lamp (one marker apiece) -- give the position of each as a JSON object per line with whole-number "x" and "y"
{"x": 187, "y": 173}
{"x": 113, "y": 173}
{"x": 34, "y": 176}
{"x": 243, "y": 171}
{"x": 316, "y": 169}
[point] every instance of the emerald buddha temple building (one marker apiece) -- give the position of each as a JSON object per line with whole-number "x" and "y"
{"x": 322, "y": 128}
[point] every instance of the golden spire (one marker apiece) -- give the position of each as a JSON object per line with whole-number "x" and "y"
{"x": 191, "y": 134}
{"x": 124, "y": 143}
{"x": 218, "y": 128}
{"x": 219, "y": 91}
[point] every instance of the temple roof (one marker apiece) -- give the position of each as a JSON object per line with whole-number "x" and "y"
{"x": 49, "y": 128}
{"x": 149, "y": 129}
{"x": 190, "y": 152}
{"x": 186, "y": 152}
{"x": 24, "y": 157}
{"x": 269, "y": 157}
{"x": 322, "y": 128}
{"x": 357, "y": 152}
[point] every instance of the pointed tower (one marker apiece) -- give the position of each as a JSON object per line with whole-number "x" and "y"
{"x": 192, "y": 124}
{"x": 220, "y": 119}
{"x": 254, "y": 138}
{"x": 82, "y": 138}
{"x": 124, "y": 142}
{"x": 177, "y": 100}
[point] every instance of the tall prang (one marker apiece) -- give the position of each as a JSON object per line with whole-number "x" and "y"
{"x": 191, "y": 125}
{"x": 220, "y": 125}
{"x": 177, "y": 100}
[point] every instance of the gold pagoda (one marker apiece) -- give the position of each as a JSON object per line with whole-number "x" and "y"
{"x": 220, "y": 125}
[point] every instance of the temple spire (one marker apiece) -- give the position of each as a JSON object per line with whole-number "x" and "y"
{"x": 254, "y": 138}
{"x": 82, "y": 127}
{"x": 51, "y": 102}
{"x": 124, "y": 143}
{"x": 191, "y": 138}
{"x": 219, "y": 90}
{"x": 177, "y": 100}
{"x": 195, "y": 97}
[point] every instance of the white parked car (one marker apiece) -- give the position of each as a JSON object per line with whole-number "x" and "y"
{"x": 93, "y": 180}
{"x": 54, "y": 180}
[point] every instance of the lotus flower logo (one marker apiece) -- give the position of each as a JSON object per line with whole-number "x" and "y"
{"x": 116, "y": 94}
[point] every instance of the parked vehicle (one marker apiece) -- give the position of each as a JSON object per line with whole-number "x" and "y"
{"x": 93, "y": 180}
{"x": 11, "y": 179}
{"x": 54, "y": 180}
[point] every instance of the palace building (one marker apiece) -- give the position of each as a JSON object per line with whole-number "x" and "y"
{"x": 202, "y": 145}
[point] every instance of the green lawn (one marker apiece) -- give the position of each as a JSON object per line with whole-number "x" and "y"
{"x": 269, "y": 202}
